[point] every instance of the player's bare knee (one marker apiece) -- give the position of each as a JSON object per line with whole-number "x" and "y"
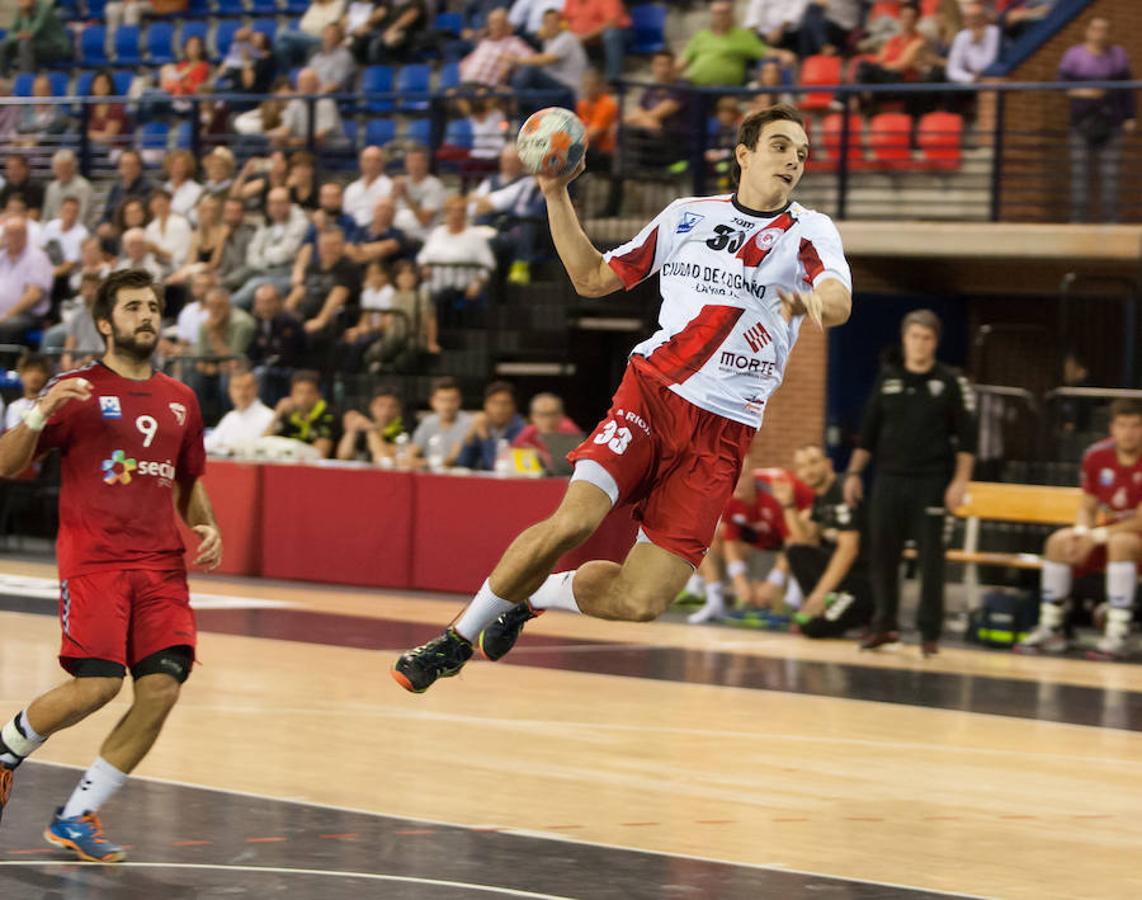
{"x": 568, "y": 530}
{"x": 157, "y": 692}
{"x": 637, "y": 604}
{"x": 1124, "y": 547}
{"x": 95, "y": 693}
{"x": 1055, "y": 548}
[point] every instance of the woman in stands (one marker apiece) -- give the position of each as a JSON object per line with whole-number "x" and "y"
{"x": 180, "y": 169}
{"x": 183, "y": 79}
{"x": 207, "y": 236}
{"x": 107, "y": 123}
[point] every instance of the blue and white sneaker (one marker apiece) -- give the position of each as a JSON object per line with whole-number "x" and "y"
{"x": 84, "y": 835}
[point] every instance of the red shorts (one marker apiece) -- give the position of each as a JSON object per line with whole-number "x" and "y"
{"x": 676, "y": 462}
{"x": 123, "y": 616}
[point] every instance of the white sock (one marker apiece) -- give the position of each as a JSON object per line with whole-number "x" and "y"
{"x": 1055, "y": 581}
{"x": 95, "y": 788}
{"x": 20, "y": 739}
{"x": 793, "y": 595}
{"x": 1121, "y": 577}
{"x": 484, "y": 609}
{"x": 716, "y": 596}
{"x": 696, "y": 585}
{"x": 555, "y": 593}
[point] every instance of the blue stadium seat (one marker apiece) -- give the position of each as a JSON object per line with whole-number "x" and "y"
{"x": 224, "y": 35}
{"x": 419, "y": 131}
{"x": 377, "y": 80}
{"x": 449, "y": 76}
{"x": 22, "y": 86}
{"x": 198, "y": 9}
{"x": 296, "y": 7}
{"x": 193, "y": 29}
{"x": 160, "y": 43}
{"x": 122, "y": 79}
{"x": 182, "y": 136}
{"x": 93, "y": 46}
{"x": 459, "y": 133}
{"x": 60, "y": 83}
{"x": 412, "y": 82}
{"x": 648, "y": 28}
{"x": 267, "y": 26}
{"x": 95, "y": 9}
{"x": 230, "y": 8}
{"x": 450, "y": 23}
{"x": 153, "y": 136}
{"x": 264, "y": 7}
{"x": 128, "y": 51}
{"x": 83, "y": 84}
{"x": 379, "y": 132}
{"x": 350, "y": 130}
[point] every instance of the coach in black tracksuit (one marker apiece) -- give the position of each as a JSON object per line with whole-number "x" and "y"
{"x": 920, "y": 428}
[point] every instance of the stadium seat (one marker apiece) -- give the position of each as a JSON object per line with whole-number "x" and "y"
{"x": 93, "y": 46}
{"x": 648, "y": 28}
{"x": 128, "y": 49}
{"x": 264, "y": 7}
{"x": 198, "y": 9}
{"x": 831, "y": 136}
{"x": 350, "y": 130}
{"x": 224, "y": 36}
{"x": 60, "y": 83}
{"x": 182, "y": 136}
{"x": 122, "y": 79}
{"x": 96, "y": 9}
{"x": 890, "y": 140}
{"x": 153, "y": 136}
{"x": 817, "y": 70}
{"x": 230, "y": 8}
{"x": 449, "y": 23}
{"x": 296, "y": 7}
{"x": 83, "y": 84}
{"x": 379, "y": 132}
{"x": 412, "y": 86}
{"x": 449, "y": 76}
{"x": 22, "y": 85}
{"x": 459, "y": 134}
{"x": 193, "y": 29}
{"x": 160, "y": 43}
{"x": 419, "y": 131}
{"x": 268, "y": 27}
{"x": 377, "y": 80}
{"x": 940, "y": 137}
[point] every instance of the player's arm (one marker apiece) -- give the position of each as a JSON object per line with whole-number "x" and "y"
{"x": 589, "y": 272}
{"x": 18, "y": 445}
{"x": 194, "y": 507}
{"x": 848, "y": 548}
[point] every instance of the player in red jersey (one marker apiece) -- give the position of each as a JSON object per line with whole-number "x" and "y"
{"x": 753, "y": 518}
{"x": 738, "y": 275}
{"x": 1107, "y": 536}
{"x": 132, "y": 453}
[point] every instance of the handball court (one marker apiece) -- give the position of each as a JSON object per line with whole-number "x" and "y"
{"x": 599, "y": 760}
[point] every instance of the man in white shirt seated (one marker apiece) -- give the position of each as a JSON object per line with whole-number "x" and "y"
{"x": 168, "y": 233}
{"x": 294, "y": 130}
{"x": 62, "y": 238}
{"x": 975, "y": 48}
{"x": 362, "y": 195}
{"x": 418, "y": 195}
{"x": 459, "y": 261}
{"x": 245, "y": 423}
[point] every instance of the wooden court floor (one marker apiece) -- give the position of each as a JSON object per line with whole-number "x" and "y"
{"x": 975, "y": 773}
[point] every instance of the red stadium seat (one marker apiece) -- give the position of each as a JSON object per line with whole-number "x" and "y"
{"x": 831, "y": 136}
{"x": 890, "y": 140}
{"x": 940, "y": 137}
{"x": 890, "y": 8}
{"x": 817, "y": 70}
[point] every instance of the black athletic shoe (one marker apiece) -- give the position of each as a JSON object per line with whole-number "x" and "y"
{"x": 498, "y": 638}
{"x": 440, "y": 658}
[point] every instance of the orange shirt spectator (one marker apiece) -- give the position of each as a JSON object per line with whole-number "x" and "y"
{"x": 590, "y": 17}
{"x": 601, "y": 116}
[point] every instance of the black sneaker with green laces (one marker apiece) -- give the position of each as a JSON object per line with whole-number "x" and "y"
{"x": 498, "y": 638}
{"x": 441, "y": 657}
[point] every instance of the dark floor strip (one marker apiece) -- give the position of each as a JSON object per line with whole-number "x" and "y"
{"x": 1042, "y": 700}
{"x": 173, "y": 824}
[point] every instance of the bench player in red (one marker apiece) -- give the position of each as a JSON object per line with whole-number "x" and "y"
{"x": 132, "y": 454}
{"x": 1106, "y": 537}
{"x": 739, "y": 273}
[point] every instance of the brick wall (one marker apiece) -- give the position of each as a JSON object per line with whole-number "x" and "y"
{"x": 1035, "y": 168}
{"x": 796, "y": 414}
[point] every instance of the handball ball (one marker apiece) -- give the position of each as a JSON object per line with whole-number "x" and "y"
{"x": 551, "y": 142}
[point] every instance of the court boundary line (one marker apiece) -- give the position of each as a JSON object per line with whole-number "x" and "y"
{"x": 528, "y": 833}
{"x": 285, "y": 870}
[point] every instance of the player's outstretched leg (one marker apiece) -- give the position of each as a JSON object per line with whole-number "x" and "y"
{"x": 521, "y": 571}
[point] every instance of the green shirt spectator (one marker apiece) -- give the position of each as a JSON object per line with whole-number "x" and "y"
{"x": 719, "y": 55}
{"x": 37, "y": 37}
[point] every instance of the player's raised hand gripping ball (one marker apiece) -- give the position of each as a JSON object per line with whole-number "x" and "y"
{"x": 552, "y": 142}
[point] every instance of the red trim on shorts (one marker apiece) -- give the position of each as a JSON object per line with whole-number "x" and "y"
{"x": 752, "y": 254}
{"x": 809, "y": 258}
{"x": 633, "y": 266}
{"x": 686, "y": 352}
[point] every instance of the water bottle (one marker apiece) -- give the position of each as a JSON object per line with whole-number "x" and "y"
{"x": 504, "y": 465}
{"x": 436, "y": 453}
{"x": 404, "y": 451}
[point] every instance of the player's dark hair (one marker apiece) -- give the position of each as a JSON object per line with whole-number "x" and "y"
{"x": 306, "y": 376}
{"x": 811, "y": 445}
{"x": 925, "y": 318}
{"x": 499, "y": 387}
{"x": 385, "y": 391}
{"x": 31, "y": 360}
{"x": 104, "y": 304}
{"x": 749, "y": 132}
{"x": 1125, "y": 406}
{"x": 445, "y": 383}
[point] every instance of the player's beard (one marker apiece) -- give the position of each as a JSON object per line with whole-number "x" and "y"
{"x": 136, "y": 345}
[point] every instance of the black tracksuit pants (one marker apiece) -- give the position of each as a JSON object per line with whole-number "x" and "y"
{"x": 808, "y": 564}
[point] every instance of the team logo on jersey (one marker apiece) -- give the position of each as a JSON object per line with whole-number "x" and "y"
{"x": 179, "y": 412}
{"x": 110, "y": 408}
{"x": 1106, "y": 477}
{"x": 935, "y": 388}
{"x": 118, "y": 469}
{"x": 687, "y": 223}
{"x": 768, "y": 237}
{"x": 892, "y": 386}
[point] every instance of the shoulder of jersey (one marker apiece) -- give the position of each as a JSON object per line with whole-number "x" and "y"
{"x": 173, "y": 383}
{"x": 88, "y": 370}
{"x": 1099, "y": 448}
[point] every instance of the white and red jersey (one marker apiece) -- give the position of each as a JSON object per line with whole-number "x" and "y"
{"x": 1117, "y": 487}
{"x": 722, "y": 342}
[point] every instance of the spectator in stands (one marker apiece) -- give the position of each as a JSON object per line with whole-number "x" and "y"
{"x": 373, "y": 438}
{"x": 305, "y": 415}
{"x": 475, "y": 16}
{"x": 498, "y": 422}
{"x": 190, "y": 317}
{"x": 769, "y": 75}
{"x": 361, "y": 196}
{"x": 229, "y": 260}
{"x": 777, "y": 21}
{"x": 408, "y": 325}
{"x": 132, "y": 214}
{"x": 826, "y": 26}
{"x": 556, "y": 72}
{"x": 107, "y": 123}
{"x": 225, "y": 334}
{"x": 294, "y": 47}
{"x": 902, "y": 58}
{"x": 131, "y": 12}
{"x": 168, "y": 233}
{"x": 294, "y": 130}
{"x": 361, "y": 23}
{"x": 510, "y": 201}
{"x": 258, "y": 176}
{"x": 136, "y": 254}
{"x": 657, "y": 130}
{"x": 526, "y": 16}
{"x": 1099, "y": 118}
{"x": 719, "y": 55}
{"x": 92, "y": 260}
{"x": 333, "y": 63}
{"x": 399, "y": 31}
{"x": 25, "y": 282}
{"x": 18, "y": 182}
{"x": 250, "y": 66}
{"x": 185, "y": 77}
{"x": 721, "y": 143}
{"x": 41, "y": 122}
{"x": 218, "y": 165}
{"x": 419, "y": 196}
{"x": 1074, "y": 414}
{"x": 491, "y": 60}
{"x": 130, "y": 183}
{"x": 381, "y": 240}
{"x": 1020, "y": 15}
{"x": 278, "y": 345}
{"x": 67, "y": 183}
{"x": 600, "y": 114}
{"x": 331, "y": 213}
{"x": 601, "y": 24}
{"x": 488, "y": 125}
{"x": 36, "y": 39}
{"x": 975, "y": 48}
{"x": 376, "y": 299}
{"x": 266, "y": 117}
{"x": 62, "y": 238}
{"x": 273, "y": 248}
{"x": 34, "y": 370}
{"x": 180, "y": 168}
{"x": 302, "y": 180}
{"x": 206, "y": 239}
{"x": 247, "y": 420}
{"x": 327, "y": 295}
{"x": 440, "y": 435}
{"x": 548, "y": 419}
{"x": 82, "y": 341}
{"x": 458, "y": 262}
